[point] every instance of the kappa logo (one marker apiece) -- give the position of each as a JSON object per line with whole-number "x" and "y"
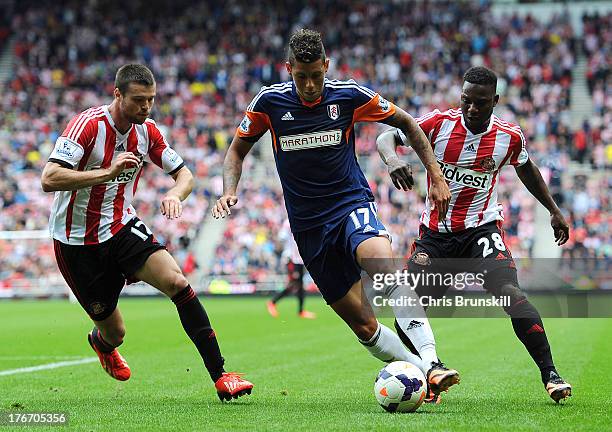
{"x": 333, "y": 111}
{"x": 287, "y": 116}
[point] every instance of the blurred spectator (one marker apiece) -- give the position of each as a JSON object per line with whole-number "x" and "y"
{"x": 210, "y": 58}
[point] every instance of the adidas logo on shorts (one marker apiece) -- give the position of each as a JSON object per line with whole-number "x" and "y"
{"x": 287, "y": 116}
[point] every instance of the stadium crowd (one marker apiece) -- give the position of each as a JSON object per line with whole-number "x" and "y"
{"x": 210, "y": 58}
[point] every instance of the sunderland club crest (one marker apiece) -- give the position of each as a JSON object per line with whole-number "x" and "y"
{"x": 488, "y": 164}
{"x": 333, "y": 111}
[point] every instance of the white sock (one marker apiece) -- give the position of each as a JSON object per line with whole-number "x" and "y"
{"x": 420, "y": 334}
{"x": 414, "y": 324}
{"x": 386, "y": 345}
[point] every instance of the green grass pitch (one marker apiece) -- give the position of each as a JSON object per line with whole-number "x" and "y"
{"x": 308, "y": 375}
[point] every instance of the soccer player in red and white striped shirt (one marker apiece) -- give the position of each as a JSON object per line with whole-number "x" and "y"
{"x": 99, "y": 241}
{"x": 471, "y": 145}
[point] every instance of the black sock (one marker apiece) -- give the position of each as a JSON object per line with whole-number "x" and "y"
{"x": 99, "y": 342}
{"x": 197, "y": 326}
{"x": 528, "y": 327}
{"x": 281, "y": 294}
{"x": 300, "y": 296}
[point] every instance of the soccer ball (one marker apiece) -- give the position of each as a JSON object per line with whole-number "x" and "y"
{"x": 400, "y": 387}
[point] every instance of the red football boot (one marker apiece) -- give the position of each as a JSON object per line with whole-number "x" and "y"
{"x": 272, "y": 309}
{"x": 112, "y": 362}
{"x": 231, "y": 385}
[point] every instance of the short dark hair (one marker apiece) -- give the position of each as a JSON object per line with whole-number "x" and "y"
{"x": 133, "y": 73}
{"x": 306, "y": 46}
{"x": 480, "y": 75}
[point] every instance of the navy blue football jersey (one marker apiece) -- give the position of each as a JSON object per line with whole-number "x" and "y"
{"x": 314, "y": 147}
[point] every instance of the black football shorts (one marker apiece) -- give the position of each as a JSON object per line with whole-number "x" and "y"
{"x": 96, "y": 274}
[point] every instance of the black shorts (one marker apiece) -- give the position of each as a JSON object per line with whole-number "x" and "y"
{"x": 475, "y": 250}
{"x": 96, "y": 274}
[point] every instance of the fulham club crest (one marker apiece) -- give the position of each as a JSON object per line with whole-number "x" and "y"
{"x": 333, "y": 111}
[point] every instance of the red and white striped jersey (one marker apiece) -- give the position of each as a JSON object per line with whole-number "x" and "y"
{"x": 470, "y": 163}
{"x": 90, "y": 141}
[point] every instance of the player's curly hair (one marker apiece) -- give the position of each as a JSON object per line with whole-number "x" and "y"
{"x": 306, "y": 46}
{"x": 480, "y": 75}
{"x": 136, "y": 73}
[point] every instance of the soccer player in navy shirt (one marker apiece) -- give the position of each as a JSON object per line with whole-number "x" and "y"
{"x": 330, "y": 206}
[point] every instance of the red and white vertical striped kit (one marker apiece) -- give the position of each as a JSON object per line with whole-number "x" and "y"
{"x": 90, "y": 141}
{"x": 470, "y": 163}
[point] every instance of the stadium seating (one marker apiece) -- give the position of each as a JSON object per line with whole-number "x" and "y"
{"x": 208, "y": 68}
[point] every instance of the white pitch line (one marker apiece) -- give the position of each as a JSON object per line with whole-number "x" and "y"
{"x": 48, "y": 366}
{"x": 40, "y": 357}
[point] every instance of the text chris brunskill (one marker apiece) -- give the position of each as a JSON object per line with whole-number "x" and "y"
{"x": 428, "y": 301}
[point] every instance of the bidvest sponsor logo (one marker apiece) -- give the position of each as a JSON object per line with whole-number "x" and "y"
{"x": 311, "y": 140}
{"x": 465, "y": 177}
{"x": 125, "y": 176}
{"x": 129, "y": 174}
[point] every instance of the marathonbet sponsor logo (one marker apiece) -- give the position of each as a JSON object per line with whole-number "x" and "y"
{"x": 465, "y": 177}
{"x": 311, "y": 140}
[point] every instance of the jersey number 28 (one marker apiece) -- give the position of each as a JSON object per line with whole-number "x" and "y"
{"x": 498, "y": 242}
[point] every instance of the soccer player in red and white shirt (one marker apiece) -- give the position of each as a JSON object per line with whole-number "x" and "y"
{"x": 99, "y": 241}
{"x": 471, "y": 145}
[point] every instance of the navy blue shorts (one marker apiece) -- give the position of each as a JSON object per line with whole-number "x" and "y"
{"x": 328, "y": 250}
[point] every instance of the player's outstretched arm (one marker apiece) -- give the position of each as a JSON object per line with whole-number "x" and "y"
{"x": 439, "y": 193}
{"x": 232, "y": 170}
{"x": 399, "y": 170}
{"x": 55, "y": 177}
{"x": 532, "y": 179}
{"x": 171, "y": 206}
